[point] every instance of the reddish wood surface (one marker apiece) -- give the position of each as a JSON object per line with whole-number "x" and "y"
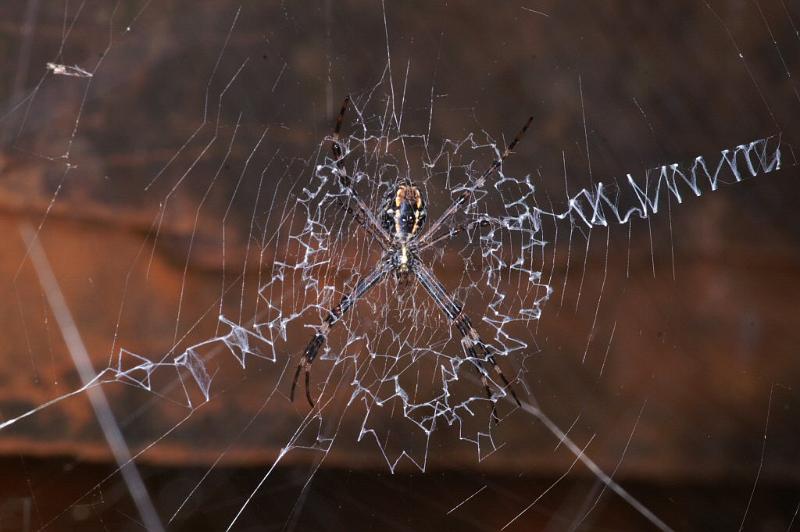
{"x": 696, "y": 354}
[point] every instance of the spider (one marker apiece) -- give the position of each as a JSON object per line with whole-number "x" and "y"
{"x": 398, "y": 229}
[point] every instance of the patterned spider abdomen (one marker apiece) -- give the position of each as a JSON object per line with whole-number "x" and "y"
{"x": 403, "y": 213}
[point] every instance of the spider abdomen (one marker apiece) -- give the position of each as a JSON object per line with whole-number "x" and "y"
{"x": 403, "y": 213}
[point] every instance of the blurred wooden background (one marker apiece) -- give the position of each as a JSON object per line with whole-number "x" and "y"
{"x": 702, "y": 301}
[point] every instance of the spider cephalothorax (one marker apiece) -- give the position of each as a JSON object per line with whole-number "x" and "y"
{"x": 398, "y": 230}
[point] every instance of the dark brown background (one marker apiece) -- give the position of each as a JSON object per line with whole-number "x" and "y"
{"x": 697, "y": 353}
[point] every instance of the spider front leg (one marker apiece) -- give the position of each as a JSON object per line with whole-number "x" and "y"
{"x": 333, "y": 317}
{"x": 363, "y": 215}
{"x": 454, "y": 231}
{"x": 470, "y": 340}
{"x": 465, "y": 194}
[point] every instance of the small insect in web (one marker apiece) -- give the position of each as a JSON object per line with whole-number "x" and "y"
{"x": 398, "y": 229}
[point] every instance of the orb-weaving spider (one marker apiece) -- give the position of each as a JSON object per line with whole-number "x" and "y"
{"x": 400, "y": 235}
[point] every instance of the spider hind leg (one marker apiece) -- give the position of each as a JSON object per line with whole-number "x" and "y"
{"x": 470, "y": 341}
{"x": 309, "y": 355}
{"x": 489, "y": 357}
{"x": 333, "y": 317}
{"x": 485, "y": 381}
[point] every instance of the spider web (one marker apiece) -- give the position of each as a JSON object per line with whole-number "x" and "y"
{"x": 392, "y": 376}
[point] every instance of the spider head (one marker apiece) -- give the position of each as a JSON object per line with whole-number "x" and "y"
{"x": 403, "y": 212}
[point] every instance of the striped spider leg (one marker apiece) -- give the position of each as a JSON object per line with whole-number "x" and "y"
{"x": 477, "y": 351}
{"x": 363, "y": 215}
{"x": 456, "y": 230}
{"x": 333, "y": 317}
{"x": 465, "y": 194}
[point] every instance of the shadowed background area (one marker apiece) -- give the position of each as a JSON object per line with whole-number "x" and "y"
{"x": 669, "y": 346}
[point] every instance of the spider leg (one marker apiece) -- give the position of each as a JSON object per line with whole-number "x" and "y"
{"x": 466, "y": 193}
{"x": 364, "y": 216}
{"x": 334, "y": 316}
{"x": 464, "y": 325}
{"x": 453, "y": 231}
{"x": 470, "y": 340}
{"x": 472, "y": 356}
{"x": 358, "y": 218}
{"x": 336, "y": 148}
